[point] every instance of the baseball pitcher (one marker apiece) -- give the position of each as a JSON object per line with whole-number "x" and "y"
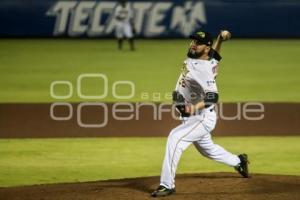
{"x": 195, "y": 97}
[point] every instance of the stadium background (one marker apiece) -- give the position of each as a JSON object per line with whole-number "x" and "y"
{"x": 46, "y": 41}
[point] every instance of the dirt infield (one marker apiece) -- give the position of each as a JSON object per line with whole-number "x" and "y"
{"x": 208, "y": 186}
{"x": 35, "y": 121}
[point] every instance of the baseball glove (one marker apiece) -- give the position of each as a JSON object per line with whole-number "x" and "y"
{"x": 179, "y": 102}
{"x": 193, "y": 91}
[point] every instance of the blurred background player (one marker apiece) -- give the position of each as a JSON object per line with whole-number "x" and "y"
{"x": 125, "y": 27}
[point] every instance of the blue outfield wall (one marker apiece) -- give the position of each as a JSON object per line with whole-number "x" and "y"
{"x": 154, "y": 19}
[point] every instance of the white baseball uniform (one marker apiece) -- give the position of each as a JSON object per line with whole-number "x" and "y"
{"x": 123, "y": 16}
{"x": 195, "y": 129}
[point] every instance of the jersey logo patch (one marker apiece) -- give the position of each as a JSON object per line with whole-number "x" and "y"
{"x": 209, "y": 83}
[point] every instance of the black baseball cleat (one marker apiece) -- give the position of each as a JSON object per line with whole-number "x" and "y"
{"x": 242, "y": 168}
{"x": 162, "y": 191}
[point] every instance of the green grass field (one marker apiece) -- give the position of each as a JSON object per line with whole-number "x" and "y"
{"x": 37, "y": 161}
{"x": 251, "y": 70}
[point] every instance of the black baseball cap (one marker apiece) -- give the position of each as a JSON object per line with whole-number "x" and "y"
{"x": 202, "y": 37}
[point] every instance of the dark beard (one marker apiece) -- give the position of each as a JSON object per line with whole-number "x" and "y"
{"x": 194, "y": 55}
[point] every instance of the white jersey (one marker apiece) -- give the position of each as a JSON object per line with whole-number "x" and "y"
{"x": 124, "y": 14}
{"x": 202, "y": 71}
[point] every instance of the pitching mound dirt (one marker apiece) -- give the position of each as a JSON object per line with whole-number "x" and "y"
{"x": 225, "y": 186}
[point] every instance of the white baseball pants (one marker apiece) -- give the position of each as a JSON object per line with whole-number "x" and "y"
{"x": 123, "y": 29}
{"x": 195, "y": 129}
